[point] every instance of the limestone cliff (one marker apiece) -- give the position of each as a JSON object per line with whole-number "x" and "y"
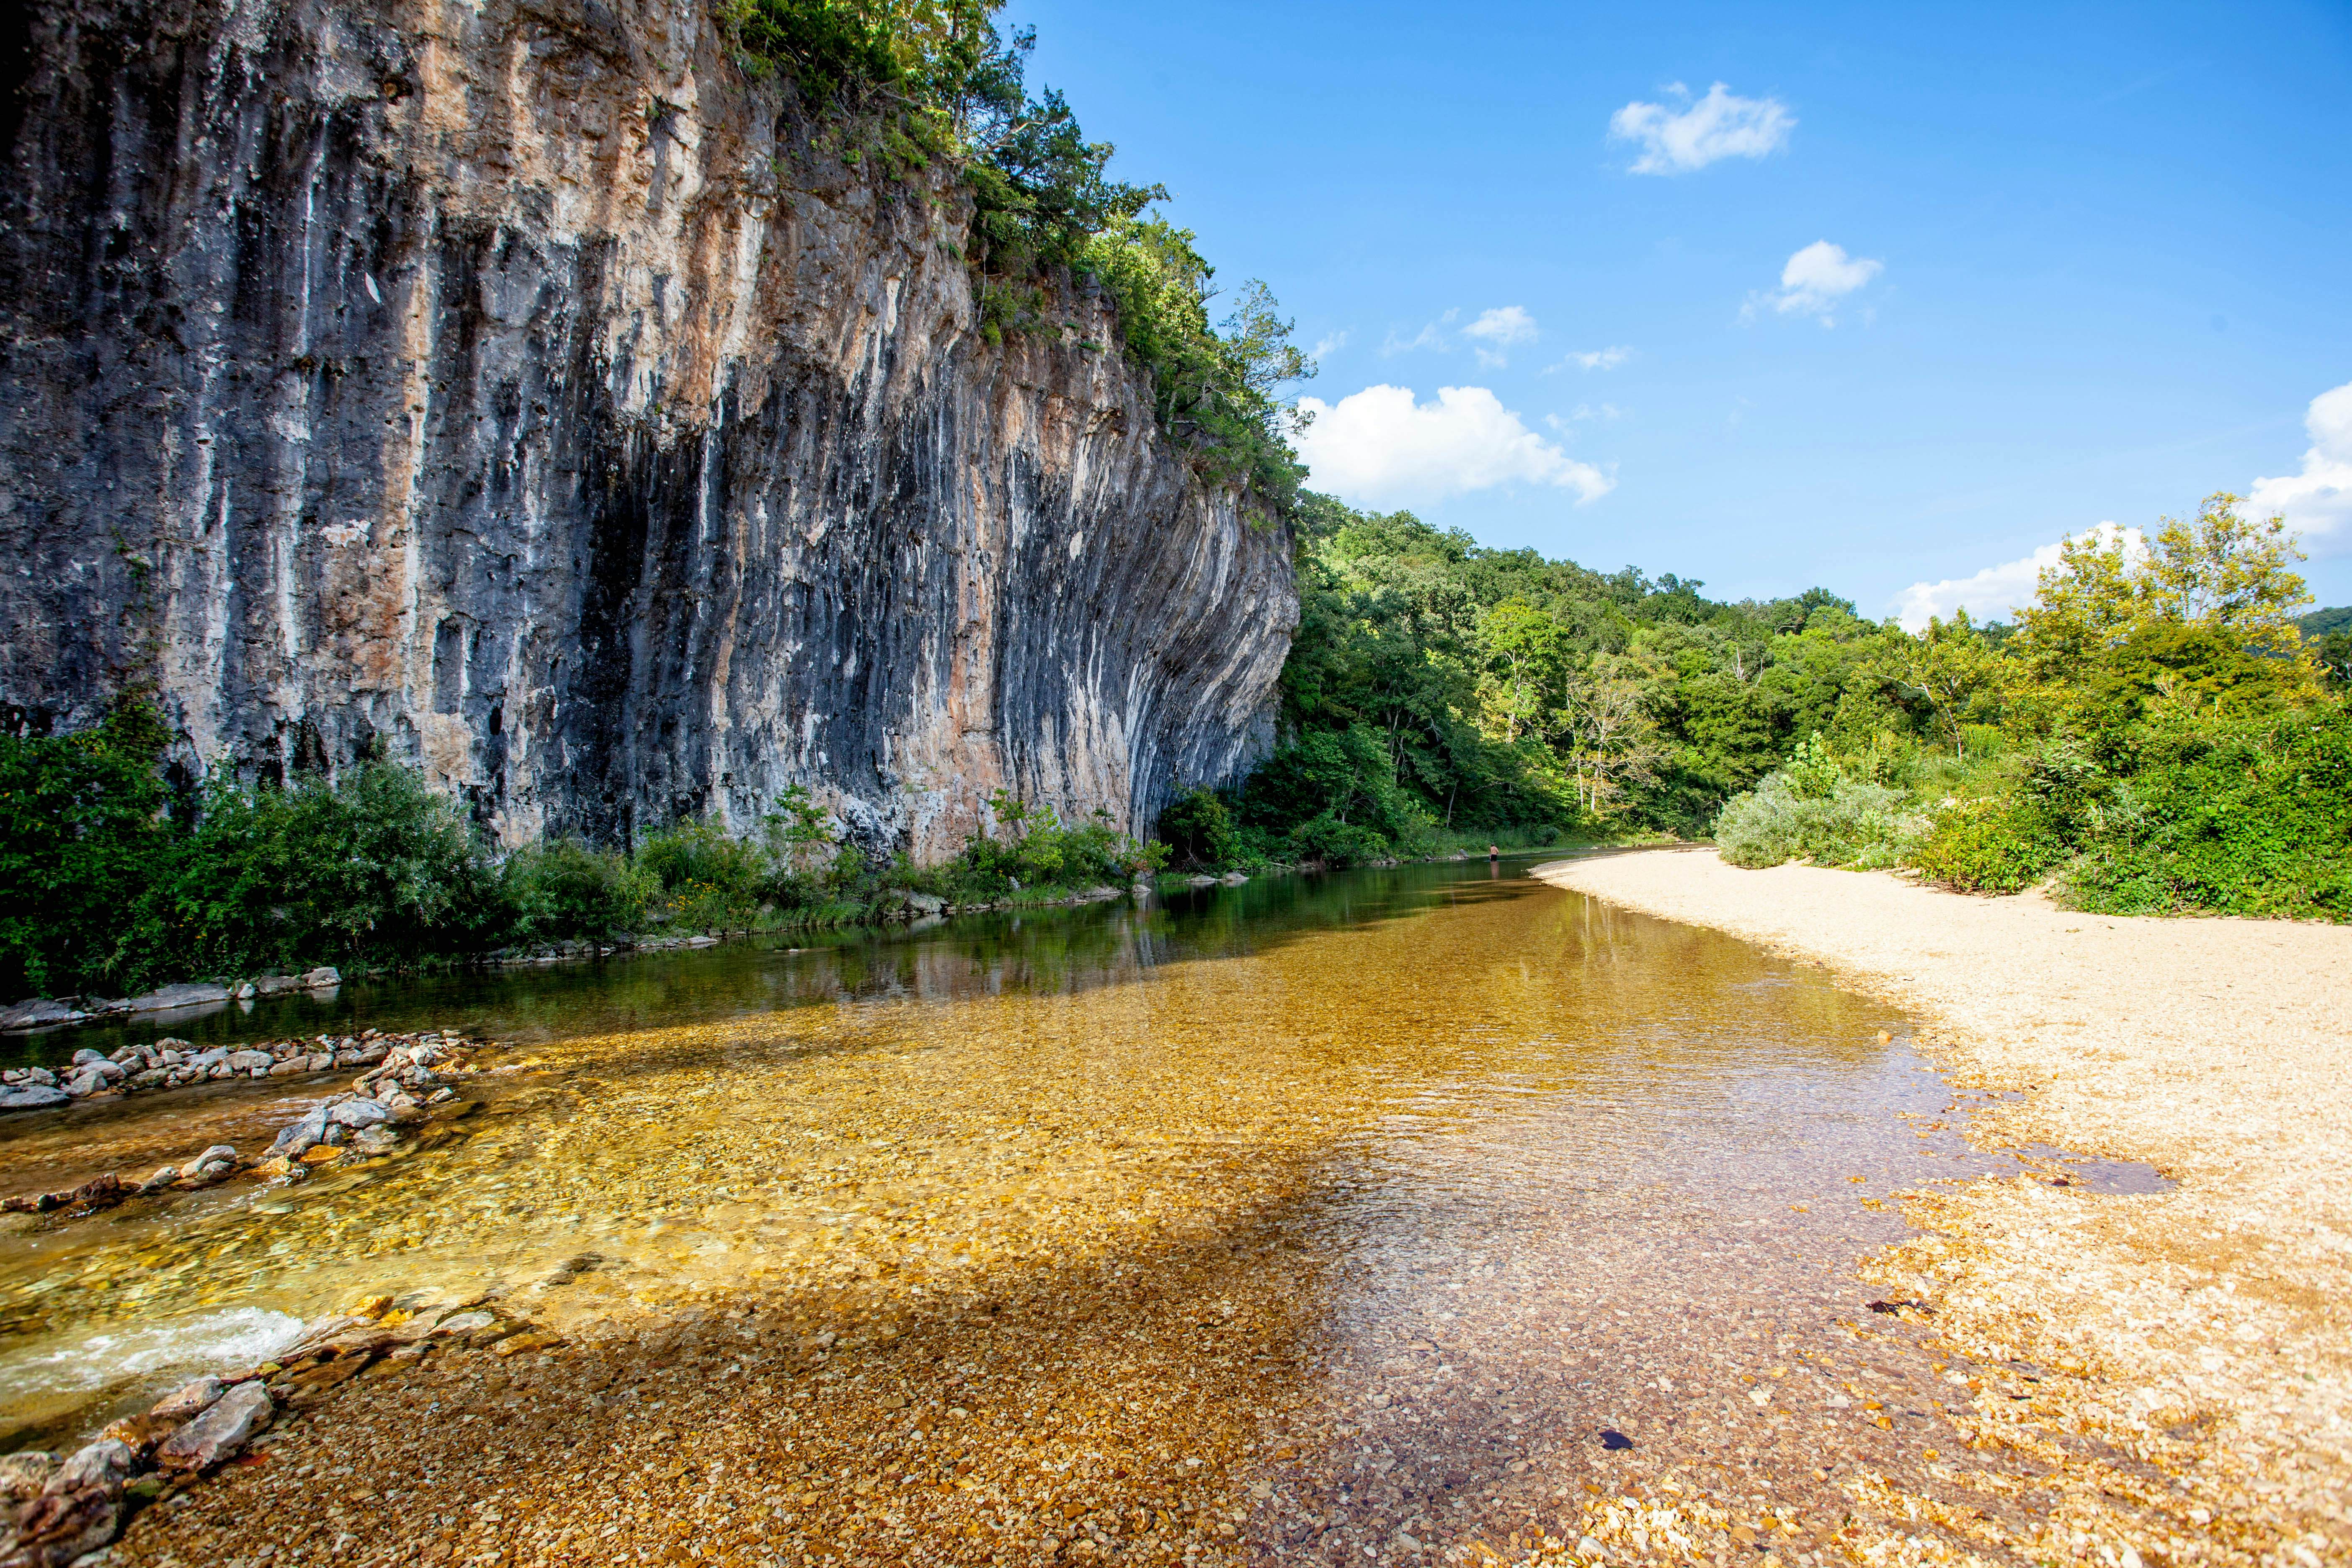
{"x": 518, "y": 390}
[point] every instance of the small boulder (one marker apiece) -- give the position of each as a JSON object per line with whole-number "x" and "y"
{"x": 139, "y": 1434}
{"x": 33, "y": 1097}
{"x": 220, "y": 1431}
{"x": 191, "y": 1401}
{"x": 321, "y": 978}
{"x": 61, "y": 1526}
{"x": 105, "y": 1463}
{"x": 356, "y": 1114}
{"x": 85, "y": 1056}
{"x": 38, "y": 1013}
{"x": 163, "y": 1177}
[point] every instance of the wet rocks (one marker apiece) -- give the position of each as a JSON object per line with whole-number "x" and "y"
{"x": 191, "y": 1400}
{"x": 403, "y": 1076}
{"x": 171, "y": 1063}
{"x": 217, "y": 1433}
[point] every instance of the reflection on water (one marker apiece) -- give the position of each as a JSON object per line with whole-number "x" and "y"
{"x": 1412, "y": 1181}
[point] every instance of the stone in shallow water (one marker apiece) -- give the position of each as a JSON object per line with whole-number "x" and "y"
{"x": 32, "y": 1097}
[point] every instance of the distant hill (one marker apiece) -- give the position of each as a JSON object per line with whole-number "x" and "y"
{"x": 2320, "y": 622}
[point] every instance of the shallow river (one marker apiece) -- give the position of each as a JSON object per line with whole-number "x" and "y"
{"x": 1353, "y": 1218}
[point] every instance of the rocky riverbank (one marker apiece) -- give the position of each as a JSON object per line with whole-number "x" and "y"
{"x": 405, "y": 1079}
{"x": 55, "y": 1509}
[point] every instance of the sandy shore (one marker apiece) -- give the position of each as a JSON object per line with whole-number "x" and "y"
{"x": 2205, "y": 1332}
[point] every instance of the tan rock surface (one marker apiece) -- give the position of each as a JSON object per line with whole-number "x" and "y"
{"x": 2208, "y": 1322}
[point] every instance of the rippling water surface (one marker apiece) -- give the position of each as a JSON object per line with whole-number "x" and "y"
{"x": 1381, "y": 1211}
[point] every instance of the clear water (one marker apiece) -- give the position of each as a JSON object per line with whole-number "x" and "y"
{"x": 1482, "y": 1168}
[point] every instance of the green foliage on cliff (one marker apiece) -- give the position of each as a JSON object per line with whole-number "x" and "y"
{"x": 942, "y": 82}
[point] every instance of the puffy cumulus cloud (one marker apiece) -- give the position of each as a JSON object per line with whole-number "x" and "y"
{"x": 1816, "y": 281}
{"x": 1381, "y": 448}
{"x": 1721, "y": 125}
{"x": 1993, "y": 593}
{"x": 2316, "y": 503}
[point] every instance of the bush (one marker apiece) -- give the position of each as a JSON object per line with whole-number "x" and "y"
{"x": 82, "y": 837}
{"x": 374, "y": 867}
{"x": 1038, "y": 849}
{"x": 1198, "y": 829}
{"x": 703, "y": 878}
{"x": 1843, "y": 822}
{"x": 1997, "y": 844}
{"x": 1335, "y": 843}
{"x": 563, "y": 891}
{"x": 2244, "y": 817}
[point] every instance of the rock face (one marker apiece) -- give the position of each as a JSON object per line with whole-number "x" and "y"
{"x": 521, "y": 392}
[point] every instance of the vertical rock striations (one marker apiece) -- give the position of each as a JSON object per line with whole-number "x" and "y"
{"x": 514, "y": 390}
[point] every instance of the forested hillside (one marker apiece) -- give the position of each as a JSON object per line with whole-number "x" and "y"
{"x": 1437, "y": 687}
{"x": 2155, "y": 726}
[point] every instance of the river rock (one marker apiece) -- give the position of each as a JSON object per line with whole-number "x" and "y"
{"x": 38, "y": 1013}
{"x": 32, "y": 1097}
{"x": 85, "y": 1056}
{"x": 139, "y": 1434}
{"x": 296, "y": 1138}
{"x": 62, "y": 1526}
{"x": 246, "y": 1061}
{"x": 321, "y": 978}
{"x": 23, "y": 1475}
{"x": 191, "y": 1401}
{"x": 194, "y": 995}
{"x": 220, "y": 1431}
{"x": 357, "y": 1113}
{"x": 163, "y": 1177}
{"x": 105, "y": 1463}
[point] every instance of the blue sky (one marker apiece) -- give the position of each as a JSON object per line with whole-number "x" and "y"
{"x": 1918, "y": 294}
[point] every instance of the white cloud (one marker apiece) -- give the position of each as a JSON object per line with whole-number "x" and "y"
{"x": 1994, "y": 591}
{"x": 1498, "y": 330}
{"x": 2316, "y": 503}
{"x": 1431, "y": 336}
{"x": 1815, "y": 281}
{"x": 1717, "y": 126}
{"x": 1330, "y": 344}
{"x": 1379, "y": 447}
{"x": 1604, "y": 359}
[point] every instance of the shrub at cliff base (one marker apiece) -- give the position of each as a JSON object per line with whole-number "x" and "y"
{"x": 80, "y": 838}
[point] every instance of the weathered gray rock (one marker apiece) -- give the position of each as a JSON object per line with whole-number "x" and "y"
{"x": 189, "y": 1401}
{"x": 38, "y": 1013}
{"x": 32, "y": 1097}
{"x": 85, "y": 1056}
{"x": 324, "y": 977}
{"x": 60, "y": 1526}
{"x": 194, "y": 995}
{"x": 444, "y": 404}
{"x": 357, "y": 1113}
{"x": 246, "y": 1061}
{"x": 105, "y": 1463}
{"x": 220, "y": 1431}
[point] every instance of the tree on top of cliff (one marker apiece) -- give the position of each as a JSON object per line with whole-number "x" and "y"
{"x": 951, "y": 86}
